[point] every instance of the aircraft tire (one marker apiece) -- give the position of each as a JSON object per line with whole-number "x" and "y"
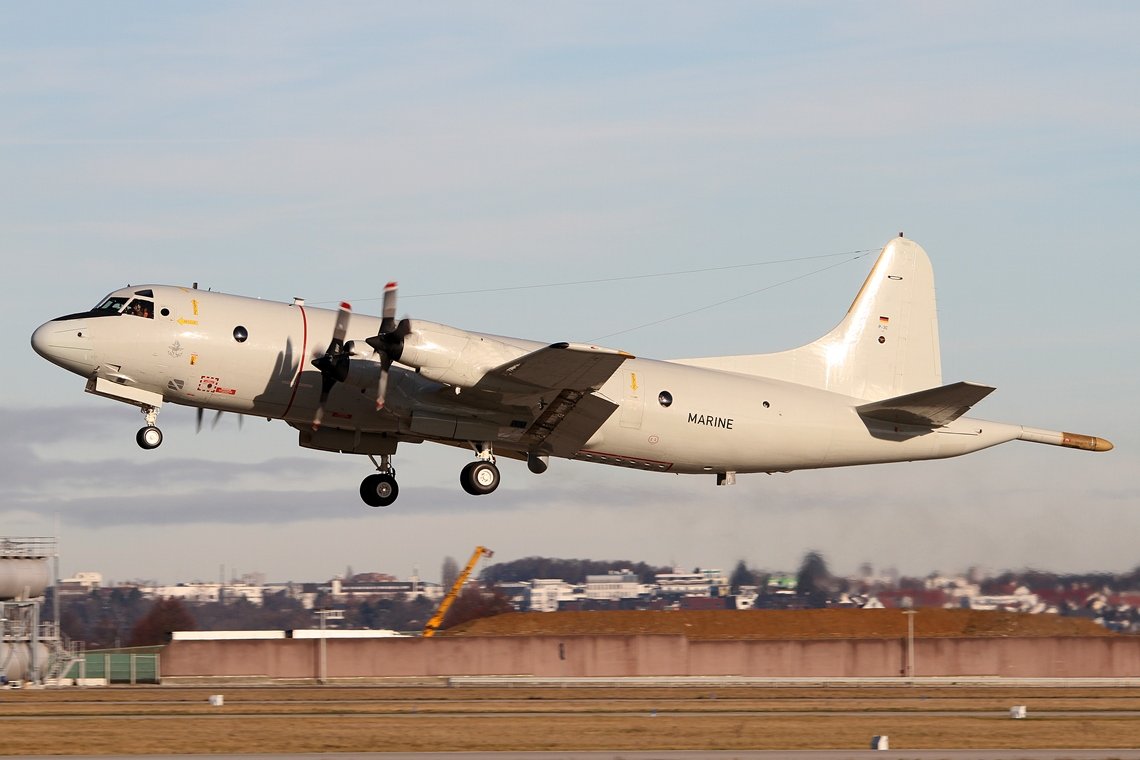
{"x": 379, "y": 490}
{"x": 479, "y": 478}
{"x": 149, "y": 437}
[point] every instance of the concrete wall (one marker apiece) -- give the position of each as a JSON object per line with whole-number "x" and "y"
{"x": 653, "y": 655}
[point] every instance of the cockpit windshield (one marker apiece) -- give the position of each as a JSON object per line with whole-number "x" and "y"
{"x": 137, "y": 307}
{"x": 112, "y": 303}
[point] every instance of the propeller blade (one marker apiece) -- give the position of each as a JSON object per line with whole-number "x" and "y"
{"x": 382, "y": 388}
{"x": 327, "y": 382}
{"x": 198, "y": 427}
{"x": 333, "y": 363}
{"x": 341, "y": 327}
{"x": 217, "y": 417}
{"x": 388, "y": 323}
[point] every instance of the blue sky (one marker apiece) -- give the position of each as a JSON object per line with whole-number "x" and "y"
{"x": 292, "y": 149}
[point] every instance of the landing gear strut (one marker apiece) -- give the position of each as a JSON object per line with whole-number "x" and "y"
{"x": 481, "y": 477}
{"x": 149, "y": 437}
{"x": 380, "y": 489}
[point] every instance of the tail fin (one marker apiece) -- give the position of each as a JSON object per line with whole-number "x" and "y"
{"x": 886, "y": 345}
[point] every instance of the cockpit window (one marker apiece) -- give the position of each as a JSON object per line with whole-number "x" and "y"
{"x": 113, "y": 303}
{"x": 136, "y": 307}
{"x": 141, "y": 307}
{"x": 145, "y": 293}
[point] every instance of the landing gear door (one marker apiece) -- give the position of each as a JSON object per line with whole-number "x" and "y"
{"x": 632, "y": 401}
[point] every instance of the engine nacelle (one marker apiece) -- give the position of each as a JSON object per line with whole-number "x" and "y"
{"x": 453, "y": 356}
{"x": 363, "y": 373}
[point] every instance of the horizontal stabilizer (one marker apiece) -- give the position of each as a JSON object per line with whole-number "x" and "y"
{"x": 933, "y": 407}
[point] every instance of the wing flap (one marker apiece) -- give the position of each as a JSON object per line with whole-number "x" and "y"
{"x": 934, "y": 407}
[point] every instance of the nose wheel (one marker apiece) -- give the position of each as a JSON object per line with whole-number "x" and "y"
{"x": 149, "y": 437}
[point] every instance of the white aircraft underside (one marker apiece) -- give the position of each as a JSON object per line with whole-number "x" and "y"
{"x": 870, "y": 391}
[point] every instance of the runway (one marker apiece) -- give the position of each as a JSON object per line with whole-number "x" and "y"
{"x": 592, "y": 723}
{"x": 810, "y": 754}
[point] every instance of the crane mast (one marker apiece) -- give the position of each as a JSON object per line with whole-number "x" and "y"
{"x": 437, "y": 619}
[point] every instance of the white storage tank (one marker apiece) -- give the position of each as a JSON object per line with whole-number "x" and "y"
{"x": 23, "y": 578}
{"x": 16, "y": 661}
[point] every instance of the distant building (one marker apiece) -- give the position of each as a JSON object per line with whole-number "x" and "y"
{"x": 616, "y": 584}
{"x": 547, "y": 594}
{"x": 697, "y": 583}
{"x": 342, "y": 590}
{"x": 80, "y": 584}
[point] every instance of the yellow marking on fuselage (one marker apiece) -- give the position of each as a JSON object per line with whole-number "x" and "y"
{"x": 194, "y": 303}
{"x": 633, "y": 381}
{"x": 182, "y": 321}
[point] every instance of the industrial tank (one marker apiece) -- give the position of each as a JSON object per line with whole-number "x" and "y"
{"x": 23, "y": 578}
{"x": 16, "y": 661}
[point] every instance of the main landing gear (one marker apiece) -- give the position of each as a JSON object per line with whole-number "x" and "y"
{"x": 149, "y": 437}
{"x": 380, "y": 489}
{"x": 479, "y": 478}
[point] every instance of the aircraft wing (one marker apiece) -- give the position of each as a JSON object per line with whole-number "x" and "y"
{"x": 564, "y": 375}
{"x": 933, "y": 407}
{"x": 557, "y": 367}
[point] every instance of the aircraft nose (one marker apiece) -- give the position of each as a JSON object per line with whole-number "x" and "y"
{"x": 65, "y": 343}
{"x": 41, "y": 340}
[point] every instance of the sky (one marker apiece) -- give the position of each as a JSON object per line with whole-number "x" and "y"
{"x": 281, "y": 149}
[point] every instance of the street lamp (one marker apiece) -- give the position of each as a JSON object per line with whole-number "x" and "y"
{"x": 325, "y": 616}
{"x": 910, "y": 641}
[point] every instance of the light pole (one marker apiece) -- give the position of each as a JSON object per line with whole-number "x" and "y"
{"x": 326, "y": 615}
{"x": 910, "y": 642}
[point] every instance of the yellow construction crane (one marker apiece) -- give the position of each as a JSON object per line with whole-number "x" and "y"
{"x": 437, "y": 619}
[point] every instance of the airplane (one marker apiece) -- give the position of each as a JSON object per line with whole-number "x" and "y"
{"x": 870, "y": 391}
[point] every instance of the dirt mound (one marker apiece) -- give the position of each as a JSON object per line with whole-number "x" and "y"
{"x": 781, "y": 624}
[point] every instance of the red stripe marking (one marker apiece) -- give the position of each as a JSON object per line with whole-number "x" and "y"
{"x": 301, "y": 363}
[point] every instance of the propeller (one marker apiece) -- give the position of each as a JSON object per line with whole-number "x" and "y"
{"x": 389, "y": 341}
{"x": 214, "y": 423}
{"x": 333, "y": 364}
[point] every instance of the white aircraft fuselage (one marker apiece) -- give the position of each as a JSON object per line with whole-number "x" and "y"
{"x": 868, "y": 392}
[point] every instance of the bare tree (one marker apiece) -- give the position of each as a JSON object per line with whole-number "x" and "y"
{"x": 449, "y": 572}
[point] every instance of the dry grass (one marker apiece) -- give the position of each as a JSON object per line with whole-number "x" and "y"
{"x": 330, "y": 719}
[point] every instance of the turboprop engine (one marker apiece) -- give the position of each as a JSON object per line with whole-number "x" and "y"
{"x": 453, "y": 356}
{"x": 438, "y": 352}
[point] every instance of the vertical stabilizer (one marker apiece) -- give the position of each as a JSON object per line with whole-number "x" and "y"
{"x": 886, "y": 345}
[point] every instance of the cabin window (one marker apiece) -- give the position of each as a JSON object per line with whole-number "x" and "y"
{"x": 240, "y": 334}
{"x": 665, "y": 398}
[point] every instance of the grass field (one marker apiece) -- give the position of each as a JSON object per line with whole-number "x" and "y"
{"x": 130, "y": 720}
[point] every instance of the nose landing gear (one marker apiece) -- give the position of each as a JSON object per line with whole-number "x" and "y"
{"x": 149, "y": 437}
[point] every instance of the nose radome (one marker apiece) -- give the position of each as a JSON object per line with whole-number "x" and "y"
{"x": 64, "y": 343}
{"x": 41, "y": 339}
